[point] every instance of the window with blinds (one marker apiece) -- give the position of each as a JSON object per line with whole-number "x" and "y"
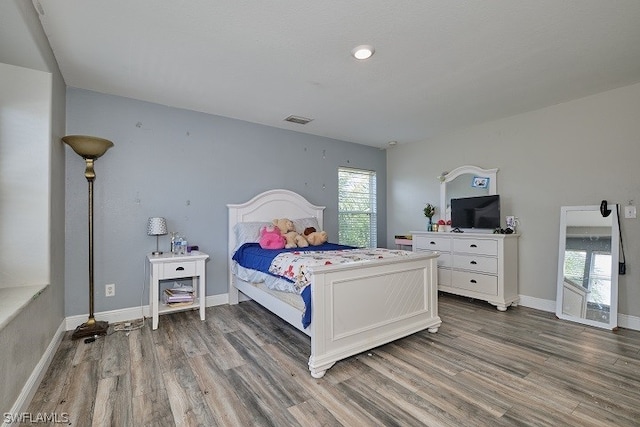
{"x": 357, "y": 208}
{"x": 575, "y": 263}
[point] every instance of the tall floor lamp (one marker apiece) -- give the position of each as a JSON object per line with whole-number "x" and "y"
{"x": 89, "y": 148}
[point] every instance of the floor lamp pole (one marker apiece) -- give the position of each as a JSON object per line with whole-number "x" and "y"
{"x": 90, "y": 148}
{"x": 92, "y": 319}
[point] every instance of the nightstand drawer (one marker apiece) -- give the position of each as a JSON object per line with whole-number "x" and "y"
{"x": 172, "y": 270}
{"x": 476, "y": 263}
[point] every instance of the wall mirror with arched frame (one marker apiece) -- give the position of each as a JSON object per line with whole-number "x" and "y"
{"x": 587, "y": 290}
{"x": 465, "y": 181}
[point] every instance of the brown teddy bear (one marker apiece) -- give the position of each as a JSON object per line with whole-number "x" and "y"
{"x": 288, "y": 230}
{"x": 314, "y": 237}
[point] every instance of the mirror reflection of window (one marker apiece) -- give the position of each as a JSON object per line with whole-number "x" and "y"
{"x": 600, "y": 279}
{"x": 575, "y": 263}
{"x": 587, "y": 282}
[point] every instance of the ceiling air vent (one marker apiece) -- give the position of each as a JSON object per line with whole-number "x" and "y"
{"x": 297, "y": 119}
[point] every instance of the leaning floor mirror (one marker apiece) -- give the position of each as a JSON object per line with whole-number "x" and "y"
{"x": 588, "y": 266}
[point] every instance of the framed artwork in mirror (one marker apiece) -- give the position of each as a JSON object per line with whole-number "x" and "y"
{"x": 480, "y": 182}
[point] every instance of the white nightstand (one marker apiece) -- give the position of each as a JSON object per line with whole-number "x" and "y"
{"x": 170, "y": 266}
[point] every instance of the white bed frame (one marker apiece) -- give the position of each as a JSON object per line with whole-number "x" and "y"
{"x": 400, "y": 294}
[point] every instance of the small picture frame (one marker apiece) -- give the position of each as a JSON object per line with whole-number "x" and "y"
{"x": 480, "y": 182}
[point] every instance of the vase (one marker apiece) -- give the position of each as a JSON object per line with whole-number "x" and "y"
{"x": 429, "y": 226}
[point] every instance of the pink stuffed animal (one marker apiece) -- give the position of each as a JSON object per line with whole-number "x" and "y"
{"x": 270, "y": 238}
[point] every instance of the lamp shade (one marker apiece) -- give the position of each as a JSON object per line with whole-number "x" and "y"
{"x": 157, "y": 226}
{"x": 88, "y": 147}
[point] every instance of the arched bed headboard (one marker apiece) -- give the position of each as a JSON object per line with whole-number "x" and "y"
{"x": 267, "y": 206}
{"x": 272, "y": 204}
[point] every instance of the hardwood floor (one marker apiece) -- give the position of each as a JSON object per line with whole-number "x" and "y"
{"x": 243, "y": 366}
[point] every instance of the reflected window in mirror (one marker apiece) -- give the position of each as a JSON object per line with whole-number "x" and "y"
{"x": 588, "y": 257}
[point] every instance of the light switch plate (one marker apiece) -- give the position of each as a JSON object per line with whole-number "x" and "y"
{"x": 630, "y": 211}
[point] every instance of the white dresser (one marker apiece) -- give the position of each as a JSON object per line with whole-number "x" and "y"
{"x": 476, "y": 265}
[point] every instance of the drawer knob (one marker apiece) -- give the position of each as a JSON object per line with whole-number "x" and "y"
{"x": 432, "y": 243}
{"x": 473, "y": 281}
{"x": 473, "y": 263}
{"x": 473, "y": 246}
{"x": 180, "y": 269}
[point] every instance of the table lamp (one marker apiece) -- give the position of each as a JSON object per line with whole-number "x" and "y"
{"x": 157, "y": 226}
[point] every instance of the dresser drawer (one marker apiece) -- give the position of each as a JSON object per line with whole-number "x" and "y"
{"x": 172, "y": 270}
{"x": 476, "y": 246}
{"x": 476, "y": 263}
{"x": 476, "y": 282}
{"x": 442, "y": 244}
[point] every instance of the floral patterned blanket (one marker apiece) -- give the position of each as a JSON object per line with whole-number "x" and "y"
{"x": 296, "y": 266}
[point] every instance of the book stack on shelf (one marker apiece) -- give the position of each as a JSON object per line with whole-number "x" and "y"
{"x": 404, "y": 239}
{"x": 178, "y": 295}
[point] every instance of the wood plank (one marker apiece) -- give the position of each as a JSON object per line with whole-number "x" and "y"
{"x": 324, "y": 392}
{"x": 226, "y": 408}
{"x": 186, "y": 400}
{"x": 312, "y": 414}
{"x": 113, "y": 402}
{"x": 448, "y": 398}
{"x": 78, "y": 396}
{"x": 223, "y": 353}
{"x": 146, "y": 373}
{"x": 115, "y": 355}
{"x": 152, "y": 409}
{"x": 54, "y": 381}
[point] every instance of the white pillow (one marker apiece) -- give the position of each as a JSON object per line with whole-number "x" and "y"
{"x": 248, "y": 232}
{"x": 302, "y": 223}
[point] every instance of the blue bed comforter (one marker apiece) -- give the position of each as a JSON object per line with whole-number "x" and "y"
{"x": 251, "y": 255}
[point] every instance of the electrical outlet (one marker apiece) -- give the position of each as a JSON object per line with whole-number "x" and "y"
{"x": 110, "y": 290}
{"x": 630, "y": 211}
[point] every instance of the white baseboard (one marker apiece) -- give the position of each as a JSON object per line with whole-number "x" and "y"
{"x": 33, "y": 382}
{"x": 629, "y": 322}
{"x": 538, "y": 303}
{"x": 624, "y": 320}
{"x": 132, "y": 313}
{"x": 111, "y": 316}
{"x": 213, "y": 300}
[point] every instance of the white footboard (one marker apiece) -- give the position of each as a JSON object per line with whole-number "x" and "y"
{"x": 356, "y": 307}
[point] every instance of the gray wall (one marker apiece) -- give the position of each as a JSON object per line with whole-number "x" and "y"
{"x": 184, "y": 166}
{"x": 576, "y": 153}
{"x": 25, "y": 339}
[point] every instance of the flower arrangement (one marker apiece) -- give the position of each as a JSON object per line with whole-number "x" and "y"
{"x": 429, "y": 211}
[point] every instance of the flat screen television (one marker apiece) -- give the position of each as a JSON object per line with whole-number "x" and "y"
{"x": 476, "y": 212}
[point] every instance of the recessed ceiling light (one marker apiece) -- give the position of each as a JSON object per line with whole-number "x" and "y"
{"x": 364, "y": 51}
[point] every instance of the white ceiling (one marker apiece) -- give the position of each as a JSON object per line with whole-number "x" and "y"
{"x": 439, "y": 64}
